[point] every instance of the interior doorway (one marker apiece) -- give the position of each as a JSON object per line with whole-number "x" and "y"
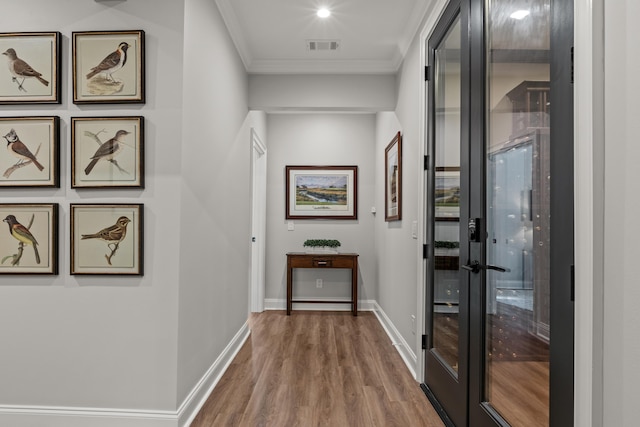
{"x": 258, "y": 221}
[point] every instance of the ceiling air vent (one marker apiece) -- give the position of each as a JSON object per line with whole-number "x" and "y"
{"x": 323, "y": 45}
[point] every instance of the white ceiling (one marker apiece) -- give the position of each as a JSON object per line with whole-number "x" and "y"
{"x": 271, "y": 35}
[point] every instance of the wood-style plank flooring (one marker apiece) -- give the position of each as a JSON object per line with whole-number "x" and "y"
{"x": 317, "y": 369}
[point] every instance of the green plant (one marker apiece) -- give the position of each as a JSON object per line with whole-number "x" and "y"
{"x": 446, "y": 244}
{"x": 328, "y": 243}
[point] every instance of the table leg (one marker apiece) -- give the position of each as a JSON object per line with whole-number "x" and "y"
{"x": 289, "y": 289}
{"x": 354, "y": 287}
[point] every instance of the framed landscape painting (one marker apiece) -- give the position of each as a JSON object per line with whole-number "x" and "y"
{"x": 108, "y": 67}
{"x": 447, "y": 192}
{"x": 393, "y": 179}
{"x": 31, "y": 70}
{"x": 31, "y": 157}
{"x": 106, "y": 239}
{"x": 107, "y": 152}
{"x": 321, "y": 192}
{"x": 29, "y": 238}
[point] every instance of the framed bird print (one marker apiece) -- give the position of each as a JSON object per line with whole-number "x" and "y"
{"x": 108, "y": 67}
{"x": 106, "y": 239}
{"x": 31, "y": 158}
{"x": 107, "y": 152}
{"x": 31, "y": 73}
{"x": 29, "y": 240}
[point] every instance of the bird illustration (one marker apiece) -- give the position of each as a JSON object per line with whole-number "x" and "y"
{"x": 107, "y": 151}
{"x": 22, "y": 234}
{"x": 112, "y": 63}
{"x": 19, "y": 68}
{"x": 19, "y": 150}
{"x": 113, "y": 234}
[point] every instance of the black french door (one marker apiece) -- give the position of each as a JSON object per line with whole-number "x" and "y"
{"x": 499, "y": 344}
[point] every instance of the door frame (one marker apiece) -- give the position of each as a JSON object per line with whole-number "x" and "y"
{"x": 588, "y": 120}
{"x": 258, "y": 222}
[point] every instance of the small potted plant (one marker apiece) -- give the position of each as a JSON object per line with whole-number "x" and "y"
{"x": 329, "y": 246}
{"x": 446, "y": 248}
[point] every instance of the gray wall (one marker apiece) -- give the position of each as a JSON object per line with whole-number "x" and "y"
{"x": 101, "y": 342}
{"x": 621, "y": 291}
{"x": 319, "y": 139}
{"x": 214, "y": 243}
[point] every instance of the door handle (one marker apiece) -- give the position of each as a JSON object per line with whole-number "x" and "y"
{"x": 475, "y": 267}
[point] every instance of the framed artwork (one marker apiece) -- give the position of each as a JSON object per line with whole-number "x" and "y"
{"x": 107, "y": 239}
{"x": 107, "y": 152}
{"x": 321, "y": 192}
{"x": 108, "y": 67}
{"x": 31, "y": 73}
{"x": 393, "y": 179}
{"x": 447, "y": 193}
{"x": 32, "y": 156}
{"x": 29, "y": 238}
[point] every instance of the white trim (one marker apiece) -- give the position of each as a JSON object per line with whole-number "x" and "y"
{"x": 200, "y": 393}
{"x": 589, "y": 171}
{"x": 61, "y": 416}
{"x": 281, "y": 304}
{"x": 336, "y": 66}
{"x": 258, "y": 222}
{"x": 403, "y": 348}
{"x": 235, "y": 31}
{"x": 433, "y": 16}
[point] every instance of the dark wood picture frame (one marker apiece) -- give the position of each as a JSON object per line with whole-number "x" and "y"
{"x": 321, "y": 192}
{"x": 98, "y": 244}
{"x": 393, "y": 179}
{"x": 447, "y": 193}
{"x": 32, "y": 71}
{"x": 34, "y": 225}
{"x": 32, "y": 157}
{"x": 108, "y": 67}
{"x": 107, "y": 152}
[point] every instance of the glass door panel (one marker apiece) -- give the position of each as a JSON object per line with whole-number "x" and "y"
{"x": 517, "y": 306}
{"x": 446, "y": 218}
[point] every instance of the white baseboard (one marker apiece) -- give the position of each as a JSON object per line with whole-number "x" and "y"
{"x": 281, "y": 304}
{"x": 401, "y": 345}
{"x": 41, "y": 416}
{"x": 198, "y": 396}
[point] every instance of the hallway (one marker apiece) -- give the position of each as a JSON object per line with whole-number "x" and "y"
{"x": 317, "y": 369}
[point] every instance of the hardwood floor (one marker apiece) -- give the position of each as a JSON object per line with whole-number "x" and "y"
{"x": 317, "y": 369}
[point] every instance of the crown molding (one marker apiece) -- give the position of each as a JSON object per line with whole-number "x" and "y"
{"x": 322, "y": 67}
{"x": 235, "y": 30}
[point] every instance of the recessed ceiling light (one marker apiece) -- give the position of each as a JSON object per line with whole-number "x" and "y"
{"x": 324, "y": 13}
{"x": 520, "y": 14}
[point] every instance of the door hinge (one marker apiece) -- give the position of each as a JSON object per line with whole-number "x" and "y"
{"x": 424, "y": 342}
{"x": 573, "y": 283}
{"x": 426, "y": 162}
{"x": 425, "y": 251}
{"x": 427, "y": 73}
{"x": 571, "y": 64}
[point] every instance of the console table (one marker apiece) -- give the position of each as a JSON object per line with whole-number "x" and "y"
{"x": 306, "y": 260}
